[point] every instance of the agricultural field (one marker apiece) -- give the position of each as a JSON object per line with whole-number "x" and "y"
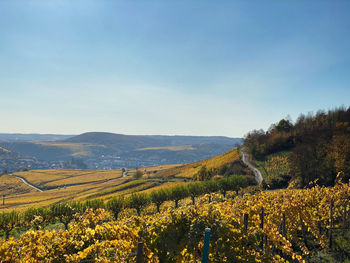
{"x": 66, "y": 185}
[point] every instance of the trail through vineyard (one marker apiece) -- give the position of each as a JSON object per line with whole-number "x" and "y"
{"x": 245, "y": 159}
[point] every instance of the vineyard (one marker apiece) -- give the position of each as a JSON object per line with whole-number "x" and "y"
{"x": 275, "y": 169}
{"x": 293, "y": 225}
{"x": 188, "y": 170}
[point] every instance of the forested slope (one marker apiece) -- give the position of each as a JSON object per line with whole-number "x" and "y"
{"x": 318, "y": 146}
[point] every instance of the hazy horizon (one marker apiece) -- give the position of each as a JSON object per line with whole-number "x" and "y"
{"x": 194, "y": 68}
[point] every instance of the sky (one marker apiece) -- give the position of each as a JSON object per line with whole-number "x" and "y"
{"x": 177, "y": 67}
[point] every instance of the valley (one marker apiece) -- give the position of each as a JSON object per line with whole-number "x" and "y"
{"x": 106, "y": 151}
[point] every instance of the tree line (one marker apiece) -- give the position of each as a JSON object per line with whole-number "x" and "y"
{"x": 64, "y": 212}
{"x": 319, "y": 145}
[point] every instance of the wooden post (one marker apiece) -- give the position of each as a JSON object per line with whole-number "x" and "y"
{"x": 331, "y": 225}
{"x": 282, "y": 228}
{"x": 262, "y": 218}
{"x": 139, "y": 255}
{"x": 245, "y": 222}
{"x": 262, "y": 227}
{"x": 349, "y": 217}
{"x": 205, "y": 257}
{"x": 303, "y": 231}
{"x": 344, "y": 216}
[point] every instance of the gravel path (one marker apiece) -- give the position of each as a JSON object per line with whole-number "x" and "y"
{"x": 27, "y": 183}
{"x": 245, "y": 159}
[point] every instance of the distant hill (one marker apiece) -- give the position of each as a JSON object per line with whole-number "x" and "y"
{"x": 32, "y": 137}
{"x": 127, "y": 142}
{"x": 117, "y": 141}
{"x": 102, "y": 150}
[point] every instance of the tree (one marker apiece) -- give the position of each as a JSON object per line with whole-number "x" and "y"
{"x": 178, "y": 193}
{"x": 194, "y": 190}
{"x": 224, "y": 185}
{"x": 138, "y": 174}
{"x": 116, "y": 205}
{"x": 158, "y": 197}
{"x": 284, "y": 126}
{"x": 341, "y": 153}
{"x": 204, "y": 174}
{"x": 138, "y": 202}
{"x": 210, "y": 187}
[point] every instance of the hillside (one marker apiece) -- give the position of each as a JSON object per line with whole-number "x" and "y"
{"x": 8, "y": 154}
{"x": 189, "y": 170}
{"x": 67, "y": 185}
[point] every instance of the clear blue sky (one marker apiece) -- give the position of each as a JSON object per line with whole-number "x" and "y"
{"x": 169, "y": 67}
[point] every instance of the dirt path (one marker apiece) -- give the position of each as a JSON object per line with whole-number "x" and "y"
{"x": 27, "y": 183}
{"x": 245, "y": 159}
